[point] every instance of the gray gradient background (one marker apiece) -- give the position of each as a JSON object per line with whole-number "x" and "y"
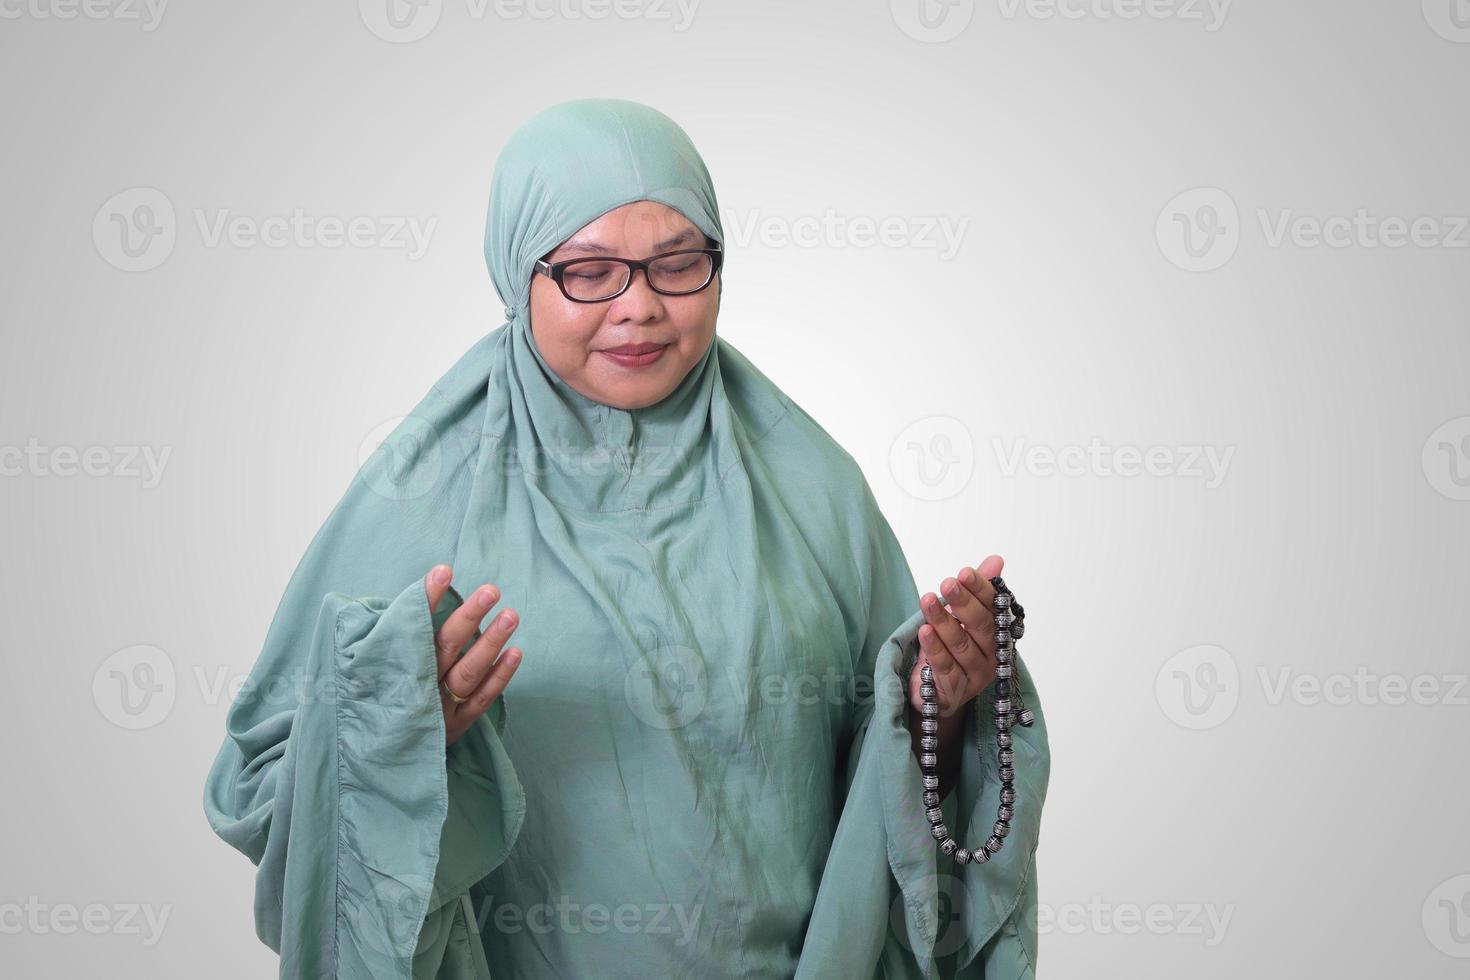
{"x": 1166, "y": 606}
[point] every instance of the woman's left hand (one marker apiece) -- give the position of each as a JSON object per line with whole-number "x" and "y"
{"x": 959, "y": 641}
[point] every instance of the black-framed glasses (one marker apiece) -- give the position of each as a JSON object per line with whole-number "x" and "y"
{"x": 597, "y": 280}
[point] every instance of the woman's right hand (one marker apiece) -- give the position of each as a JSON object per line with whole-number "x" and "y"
{"x": 477, "y": 677}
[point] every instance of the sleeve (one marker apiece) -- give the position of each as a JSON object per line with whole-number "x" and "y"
{"x": 333, "y": 777}
{"x": 890, "y": 904}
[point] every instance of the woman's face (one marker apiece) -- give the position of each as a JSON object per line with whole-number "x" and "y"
{"x": 576, "y": 338}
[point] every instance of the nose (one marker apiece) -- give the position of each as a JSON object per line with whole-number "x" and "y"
{"x": 638, "y": 303}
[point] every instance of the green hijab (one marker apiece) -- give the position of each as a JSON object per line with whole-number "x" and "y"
{"x": 702, "y": 766}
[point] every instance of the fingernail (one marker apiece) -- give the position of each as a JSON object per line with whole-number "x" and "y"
{"x": 506, "y": 620}
{"x": 484, "y": 598}
{"x": 441, "y": 575}
{"x": 952, "y": 589}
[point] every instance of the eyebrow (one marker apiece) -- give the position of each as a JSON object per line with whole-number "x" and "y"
{"x": 586, "y": 246}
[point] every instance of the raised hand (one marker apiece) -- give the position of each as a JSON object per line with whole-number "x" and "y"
{"x": 468, "y": 685}
{"x": 959, "y": 641}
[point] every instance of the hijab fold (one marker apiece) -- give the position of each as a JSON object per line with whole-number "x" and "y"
{"x": 702, "y": 765}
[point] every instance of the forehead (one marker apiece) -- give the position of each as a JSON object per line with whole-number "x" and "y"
{"x": 649, "y": 225}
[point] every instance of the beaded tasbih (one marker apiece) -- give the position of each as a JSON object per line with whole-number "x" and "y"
{"x": 1009, "y": 626}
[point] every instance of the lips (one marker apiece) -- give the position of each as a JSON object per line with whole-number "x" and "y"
{"x": 634, "y": 355}
{"x": 634, "y": 350}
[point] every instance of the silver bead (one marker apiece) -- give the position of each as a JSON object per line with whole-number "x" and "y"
{"x": 1003, "y": 739}
{"x": 926, "y": 673}
{"x": 929, "y": 709}
{"x": 1003, "y": 670}
{"x": 931, "y": 797}
{"x": 939, "y": 831}
{"x": 1006, "y": 812}
{"x": 1002, "y": 601}
{"x": 1003, "y": 637}
{"x": 928, "y": 759}
{"x": 1003, "y": 706}
{"x": 962, "y": 855}
{"x": 928, "y": 692}
{"x": 1003, "y": 722}
{"x": 979, "y": 856}
{"x": 1002, "y": 829}
{"x": 929, "y": 726}
{"x": 934, "y": 815}
{"x": 929, "y": 743}
{"x": 949, "y": 845}
{"x": 1007, "y": 757}
{"x": 1008, "y": 796}
{"x": 1018, "y": 629}
{"x": 1028, "y": 717}
{"x": 1007, "y": 773}
{"x": 993, "y": 844}
{"x": 931, "y": 782}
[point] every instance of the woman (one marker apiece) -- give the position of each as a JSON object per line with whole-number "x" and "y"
{"x": 690, "y": 750}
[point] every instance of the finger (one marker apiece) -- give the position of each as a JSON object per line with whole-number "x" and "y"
{"x": 965, "y": 606}
{"x": 949, "y": 675}
{"x": 991, "y": 567}
{"x": 979, "y": 587}
{"x": 460, "y": 627}
{"x": 493, "y": 685}
{"x": 473, "y": 667}
{"x": 956, "y": 638}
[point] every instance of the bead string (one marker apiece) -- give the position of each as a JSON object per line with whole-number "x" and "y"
{"x": 1010, "y": 625}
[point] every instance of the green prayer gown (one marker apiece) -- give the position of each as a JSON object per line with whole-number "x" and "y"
{"x": 702, "y": 767}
